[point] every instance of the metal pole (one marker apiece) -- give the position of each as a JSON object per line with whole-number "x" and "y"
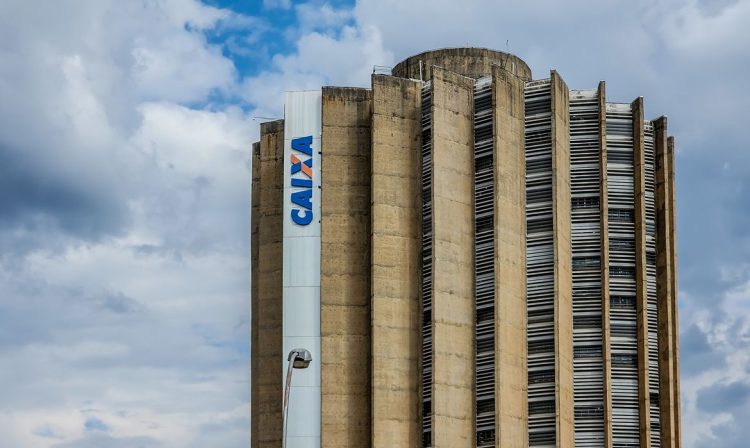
{"x": 287, "y": 388}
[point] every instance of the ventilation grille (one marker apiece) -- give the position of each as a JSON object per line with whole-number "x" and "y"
{"x": 620, "y": 194}
{"x": 484, "y": 263}
{"x": 653, "y": 333}
{"x": 539, "y": 264}
{"x": 426, "y": 277}
{"x": 588, "y": 365}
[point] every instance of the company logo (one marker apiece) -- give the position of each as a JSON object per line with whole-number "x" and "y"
{"x": 302, "y": 180}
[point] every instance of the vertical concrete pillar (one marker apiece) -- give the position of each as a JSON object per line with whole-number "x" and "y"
{"x": 511, "y": 400}
{"x": 345, "y": 267}
{"x": 396, "y": 259}
{"x": 675, "y": 310}
{"x": 604, "y": 231}
{"x": 254, "y": 228}
{"x": 561, "y": 225}
{"x": 641, "y": 296}
{"x": 453, "y": 260}
{"x": 664, "y": 287}
{"x": 269, "y": 292}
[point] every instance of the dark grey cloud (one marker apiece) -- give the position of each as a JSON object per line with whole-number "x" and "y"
{"x": 123, "y": 204}
{"x": 40, "y": 204}
{"x": 698, "y": 354}
{"x": 123, "y": 227}
{"x": 723, "y": 397}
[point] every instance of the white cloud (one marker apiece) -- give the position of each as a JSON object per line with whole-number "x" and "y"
{"x": 124, "y": 267}
{"x": 345, "y": 59}
{"x": 715, "y": 36}
{"x": 124, "y": 235}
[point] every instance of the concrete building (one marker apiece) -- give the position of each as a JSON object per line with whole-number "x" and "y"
{"x": 473, "y": 258}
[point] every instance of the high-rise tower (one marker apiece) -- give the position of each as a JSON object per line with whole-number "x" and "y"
{"x": 472, "y": 257}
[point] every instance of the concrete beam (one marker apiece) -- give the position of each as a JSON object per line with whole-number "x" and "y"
{"x": 511, "y": 372}
{"x": 453, "y": 314}
{"x": 269, "y": 292}
{"x": 664, "y": 288}
{"x": 254, "y": 228}
{"x": 396, "y": 261}
{"x": 604, "y": 216}
{"x": 563, "y": 301}
{"x": 345, "y": 267}
{"x": 675, "y": 308}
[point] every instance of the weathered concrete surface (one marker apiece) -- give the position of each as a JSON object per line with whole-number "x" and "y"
{"x": 511, "y": 372}
{"x": 641, "y": 296}
{"x": 469, "y": 61}
{"x": 396, "y": 260}
{"x": 668, "y": 374}
{"x": 453, "y": 260}
{"x": 561, "y": 222}
{"x": 675, "y": 313}
{"x": 604, "y": 209}
{"x": 254, "y": 228}
{"x": 269, "y": 290}
{"x": 345, "y": 267}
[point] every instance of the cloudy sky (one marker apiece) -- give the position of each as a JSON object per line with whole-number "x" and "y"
{"x": 125, "y": 132}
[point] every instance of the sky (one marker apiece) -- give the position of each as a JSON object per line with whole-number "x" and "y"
{"x": 125, "y": 136}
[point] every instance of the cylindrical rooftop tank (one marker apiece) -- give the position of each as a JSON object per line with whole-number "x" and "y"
{"x": 468, "y": 61}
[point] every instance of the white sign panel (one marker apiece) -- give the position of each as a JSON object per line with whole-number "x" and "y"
{"x": 302, "y": 129}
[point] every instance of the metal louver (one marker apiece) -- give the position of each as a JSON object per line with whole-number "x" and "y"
{"x": 620, "y": 196}
{"x": 588, "y": 364}
{"x": 484, "y": 263}
{"x": 426, "y": 277}
{"x": 653, "y": 334}
{"x": 539, "y": 264}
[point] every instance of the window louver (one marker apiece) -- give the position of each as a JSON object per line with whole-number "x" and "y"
{"x": 426, "y": 277}
{"x": 484, "y": 263}
{"x": 620, "y": 194}
{"x": 588, "y": 363}
{"x": 653, "y": 334}
{"x": 539, "y": 262}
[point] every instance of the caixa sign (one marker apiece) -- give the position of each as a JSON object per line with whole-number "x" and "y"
{"x": 302, "y": 180}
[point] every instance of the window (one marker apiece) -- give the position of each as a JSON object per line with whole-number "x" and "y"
{"x": 624, "y": 244}
{"x": 622, "y": 359}
{"x": 543, "y": 376}
{"x": 587, "y": 351}
{"x": 589, "y": 411}
{"x": 543, "y": 346}
{"x": 622, "y": 302}
{"x": 621, "y": 215}
{"x": 622, "y": 272}
{"x": 586, "y": 262}
{"x": 587, "y": 202}
{"x": 542, "y": 407}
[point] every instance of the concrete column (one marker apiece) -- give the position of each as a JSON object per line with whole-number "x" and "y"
{"x": 675, "y": 309}
{"x": 664, "y": 287}
{"x": 453, "y": 260}
{"x": 345, "y": 267}
{"x": 269, "y": 305}
{"x": 641, "y": 296}
{"x": 561, "y": 222}
{"x": 396, "y": 260}
{"x": 511, "y": 372}
{"x": 254, "y": 228}
{"x": 604, "y": 209}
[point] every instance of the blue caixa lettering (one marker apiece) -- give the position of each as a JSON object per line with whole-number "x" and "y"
{"x": 302, "y": 180}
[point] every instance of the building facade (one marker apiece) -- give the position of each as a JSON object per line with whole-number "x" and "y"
{"x": 473, "y": 258}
